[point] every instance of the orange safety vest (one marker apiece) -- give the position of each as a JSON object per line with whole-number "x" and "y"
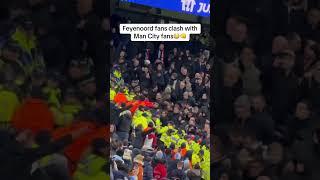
{"x": 75, "y": 151}
{"x": 120, "y": 98}
{"x": 33, "y": 114}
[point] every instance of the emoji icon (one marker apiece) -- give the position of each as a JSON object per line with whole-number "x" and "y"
{"x": 176, "y": 36}
{"x": 183, "y": 35}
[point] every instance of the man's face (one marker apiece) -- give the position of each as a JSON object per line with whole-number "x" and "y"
{"x": 188, "y": 87}
{"x": 158, "y": 97}
{"x": 204, "y": 96}
{"x": 197, "y": 75}
{"x": 134, "y": 83}
{"x": 122, "y": 54}
{"x": 192, "y": 121}
{"x": 208, "y": 67}
{"x": 137, "y": 89}
{"x": 309, "y": 54}
{"x": 135, "y": 62}
{"x": 164, "y": 114}
{"x": 313, "y": 17}
{"x": 184, "y": 71}
{"x": 195, "y": 110}
{"x": 302, "y": 111}
{"x": 175, "y": 50}
{"x": 111, "y": 128}
{"x": 240, "y": 110}
{"x": 231, "y": 76}
{"x": 199, "y": 80}
{"x": 239, "y": 34}
{"x": 279, "y": 44}
{"x": 161, "y": 46}
{"x": 258, "y": 103}
{"x": 113, "y": 30}
{"x": 288, "y": 62}
{"x": 176, "y": 109}
{"x": 121, "y": 60}
{"x": 173, "y": 77}
{"x": 247, "y": 56}
{"x": 249, "y": 142}
{"x": 187, "y": 79}
{"x": 159, "y": 67}
{"x": 182, "y": 85}
{"x": 185, "y": 95}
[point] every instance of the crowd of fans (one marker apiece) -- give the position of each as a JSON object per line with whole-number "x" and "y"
{"x": 52, "y": 76}
{"x": 267, "y": 124}
{"x": 168, "y": 135}
{"x": 266, "y": 98}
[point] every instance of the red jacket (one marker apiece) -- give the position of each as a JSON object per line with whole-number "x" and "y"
{"x": 160, "y": 171}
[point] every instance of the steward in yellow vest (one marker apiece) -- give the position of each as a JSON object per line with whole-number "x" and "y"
{"x": 65, "y": 113}
{"x": 93, "y": 166}
{"x": 24, "y": 36}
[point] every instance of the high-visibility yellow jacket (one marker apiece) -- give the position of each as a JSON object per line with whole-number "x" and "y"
{"x": 53, "y": 96}
{"x": 65, "y": 115}
{"x": 112, "y": 94}
{"x": 9, "y": 102}
{"x": 91, "y": 168}
{"x": 27, "y": 43}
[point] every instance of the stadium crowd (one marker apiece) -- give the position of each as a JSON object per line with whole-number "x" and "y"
{"x": 160, "y": 118}
{"x": 267, "y": 80}
{"x": 53, "y": 111}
